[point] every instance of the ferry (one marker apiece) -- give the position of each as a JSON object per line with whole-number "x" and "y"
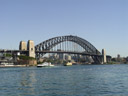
{"x": 68, "y": 64}
{"x": 45, "y": 64}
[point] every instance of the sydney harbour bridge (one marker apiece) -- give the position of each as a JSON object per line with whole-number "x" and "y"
{"x": 61, "y": 45}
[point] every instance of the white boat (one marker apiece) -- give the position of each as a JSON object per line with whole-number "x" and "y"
{"x": 45, "y": 64}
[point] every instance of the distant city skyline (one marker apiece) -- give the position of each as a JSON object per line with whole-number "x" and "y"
{"x": 104, "y": 23}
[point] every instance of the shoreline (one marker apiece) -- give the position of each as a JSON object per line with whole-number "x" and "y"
{"x": 4, "y": 66}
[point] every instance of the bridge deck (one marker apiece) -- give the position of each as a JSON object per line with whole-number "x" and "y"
{"x": 68, "y": 52}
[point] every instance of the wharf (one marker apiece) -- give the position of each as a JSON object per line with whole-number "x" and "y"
{"x": 3, "y": 66}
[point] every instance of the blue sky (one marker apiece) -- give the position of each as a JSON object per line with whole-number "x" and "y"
{"x": 104, "y": 23}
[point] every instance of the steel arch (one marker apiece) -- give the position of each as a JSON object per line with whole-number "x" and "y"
{"x": 50, "y": 43}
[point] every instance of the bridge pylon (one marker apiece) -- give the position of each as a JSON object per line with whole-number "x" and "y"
{"x": 31, "y": 48}
{"x": 104, "y": 56}
{"x": 28, "y": 47}
{"x": 23, "y": 45}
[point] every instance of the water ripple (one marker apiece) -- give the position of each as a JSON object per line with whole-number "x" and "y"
{"x": 89, "y": 80}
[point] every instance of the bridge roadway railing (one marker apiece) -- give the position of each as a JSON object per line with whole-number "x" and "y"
{"x": 13, "y": 51}
{"x": 68, "y": 52}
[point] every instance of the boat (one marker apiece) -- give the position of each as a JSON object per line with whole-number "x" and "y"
{"x": 45, "y": 64}
{"x": 68, "y": 64}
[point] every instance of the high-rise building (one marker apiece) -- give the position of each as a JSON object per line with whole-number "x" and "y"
{"x": 118, "y": 56}
{"x": 68, "y": 57}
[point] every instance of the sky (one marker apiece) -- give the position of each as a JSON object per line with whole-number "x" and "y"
{"x": 104, "y": 23}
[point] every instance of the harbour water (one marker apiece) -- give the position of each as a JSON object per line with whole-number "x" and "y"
{"x": 86, "y": 80}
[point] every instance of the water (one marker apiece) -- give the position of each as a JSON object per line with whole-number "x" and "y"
{"x": 88, "y": 80}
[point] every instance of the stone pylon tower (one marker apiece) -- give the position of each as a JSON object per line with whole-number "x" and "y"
{"x": 104, "y": 55}
{"x": 31, "y": 48}
{"x": 23, "y": 45}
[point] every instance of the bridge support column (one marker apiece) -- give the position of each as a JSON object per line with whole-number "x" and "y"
{"x": 96, "y": 60}
{"x": 108, "y": 59}
{"x": 104, "y": 56}
{"x": 31, "y": 48}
